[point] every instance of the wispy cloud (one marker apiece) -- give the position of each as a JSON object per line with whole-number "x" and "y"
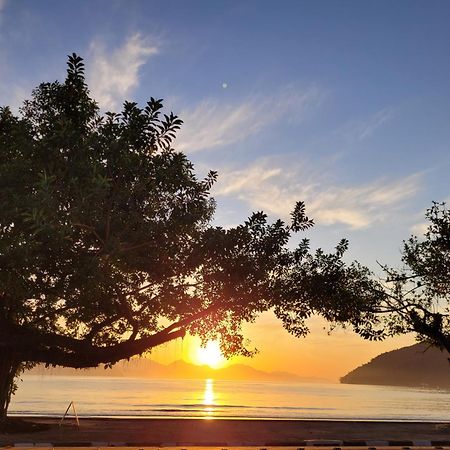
{"x": 276, "y": 189}
{"x": 419, "y": 229}
{"x": 363, "y": 129}
{"x": 213, "y": 124}
{"x": 114, "y": 74}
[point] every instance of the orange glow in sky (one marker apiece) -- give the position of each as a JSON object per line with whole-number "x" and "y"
{"x": 320, "y": 355}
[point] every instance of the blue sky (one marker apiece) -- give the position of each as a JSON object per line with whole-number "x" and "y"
{"x": 342, "y": 104}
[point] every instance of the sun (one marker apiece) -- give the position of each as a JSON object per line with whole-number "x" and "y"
{"x": 210, "y": 355}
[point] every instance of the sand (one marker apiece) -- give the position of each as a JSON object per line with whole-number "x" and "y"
{"x": 198, "y": 432}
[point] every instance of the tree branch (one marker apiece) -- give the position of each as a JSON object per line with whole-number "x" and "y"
{"x": 54, "y": 349}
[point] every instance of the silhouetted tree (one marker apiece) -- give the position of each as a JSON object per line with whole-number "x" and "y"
{"x": 419, "y": 295}
{"x": 413, "y": 299}
{"x": 106, "y": 247}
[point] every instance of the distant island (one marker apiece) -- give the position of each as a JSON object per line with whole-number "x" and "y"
{"x": 146, "y": 368}
{"x": 417, "y": 365}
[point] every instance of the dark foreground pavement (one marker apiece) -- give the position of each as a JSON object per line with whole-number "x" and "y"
{"x": 222, "y": 433}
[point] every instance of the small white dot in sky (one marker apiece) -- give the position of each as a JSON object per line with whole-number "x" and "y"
{"x": 224, "y": 85}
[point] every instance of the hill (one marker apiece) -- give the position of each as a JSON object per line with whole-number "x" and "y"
{"x": 417, "y": 365}
{"x": 145, "y": 368}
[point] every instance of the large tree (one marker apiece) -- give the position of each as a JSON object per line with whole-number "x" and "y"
{"x": 106, "y": 245}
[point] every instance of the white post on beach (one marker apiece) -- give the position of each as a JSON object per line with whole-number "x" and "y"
{"x": 71, "y": 404}
{"x": 76, "y": 415}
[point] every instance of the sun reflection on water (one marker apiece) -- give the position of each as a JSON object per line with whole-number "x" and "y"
{"x": 208, "y": 399}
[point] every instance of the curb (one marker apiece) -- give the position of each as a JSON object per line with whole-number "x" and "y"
{"x": 299, "y": 445}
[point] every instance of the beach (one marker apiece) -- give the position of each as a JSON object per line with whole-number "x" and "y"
{"x": 236, "y": 432}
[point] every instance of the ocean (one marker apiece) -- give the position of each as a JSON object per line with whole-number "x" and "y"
{"x": 138, "y": 398}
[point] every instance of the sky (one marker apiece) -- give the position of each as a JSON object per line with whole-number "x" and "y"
{"x": 344, "y": 105}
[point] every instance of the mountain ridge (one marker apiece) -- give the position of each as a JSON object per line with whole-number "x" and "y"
{"x": 417, "y": 366}
{"x": 145, "y": 368}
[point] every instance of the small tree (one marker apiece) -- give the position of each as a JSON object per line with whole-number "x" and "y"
{"x": 413, "y": 299}
{"x": 106, "y": 247}
{"x": 419, "y": 295}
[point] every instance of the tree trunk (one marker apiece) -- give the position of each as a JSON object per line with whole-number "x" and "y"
{"x": 8, "y": 370}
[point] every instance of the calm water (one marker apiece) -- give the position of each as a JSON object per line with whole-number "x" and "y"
{"x": 125, "y": 397}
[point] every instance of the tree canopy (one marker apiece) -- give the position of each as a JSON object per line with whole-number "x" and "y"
{"x": 412, "y": 299}
{"x": 107, "y": 248}
{"x": 418, "y": 296}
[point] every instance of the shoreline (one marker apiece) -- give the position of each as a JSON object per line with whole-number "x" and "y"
{"x": 235, "y": 432}
{"x": 57, "y": 417}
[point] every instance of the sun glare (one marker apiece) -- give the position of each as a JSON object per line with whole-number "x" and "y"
{"x": 210, "y": 355}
